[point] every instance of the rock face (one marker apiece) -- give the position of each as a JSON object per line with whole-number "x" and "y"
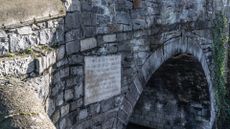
{"x": 49, "y": 55}
{"x": 20, "y": 107}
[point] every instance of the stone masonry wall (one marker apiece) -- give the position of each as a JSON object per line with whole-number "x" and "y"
{"x": 50, "y": 54}
{"x": 133, "y": 29}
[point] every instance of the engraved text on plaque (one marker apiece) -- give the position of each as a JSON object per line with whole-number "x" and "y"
{"x": 102, "y": 78}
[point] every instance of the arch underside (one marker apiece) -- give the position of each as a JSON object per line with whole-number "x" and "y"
{"x": 176, "y": 97}
{"x": 158, "y": 57}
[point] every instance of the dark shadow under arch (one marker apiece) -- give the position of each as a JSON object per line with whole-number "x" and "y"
{"x": 157, "y": 58}
{"x": 175, "y": 97}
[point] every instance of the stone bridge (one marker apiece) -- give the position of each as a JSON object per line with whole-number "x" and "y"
{"x": 102, "y": 64}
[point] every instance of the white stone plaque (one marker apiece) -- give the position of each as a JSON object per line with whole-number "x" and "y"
{"x": 102, "y": 78}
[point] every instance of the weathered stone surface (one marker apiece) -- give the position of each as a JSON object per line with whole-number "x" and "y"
{"x": 17, "y": 66}
{"x": 41, "y": 85}
{"x": 102, "y": 78}
{"x": 69, "y": 95}
{"x": 72, "y": 21}
{"x": 72, "y": 47}
{"x": 78, "y": 90}
{"x": 73, "y": 5}
{"x": 18, "y": 43}
{"x": 45, "y": 36}
{"x": 88, "y": 43}
{"x": 190, "y": 10}
{"x": 18, "y": 12}
{"x": 50, "y": 107}
{"x": 4, "y": 47}
{"x": 26, "y": 110}
{"x": 56, "y": 116}
{"x": 44, "y": 62}
{"x": 83, "y": 114}
{"x": 2, "y": 34}
{"x": 110, "y": 38}
{"x": 24, "y": 30}
{"x": 60, "y": 99}
{"x": 60, "y": 52}
{"x": 63, "y": 124}
{"x": 134, "y": 29}
{"x": 64, "y": 110}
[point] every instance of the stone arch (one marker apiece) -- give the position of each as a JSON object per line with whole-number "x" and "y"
{"x": 157, "y": 58}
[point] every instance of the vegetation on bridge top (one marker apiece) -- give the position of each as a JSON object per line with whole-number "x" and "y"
{"x": 220, "y": 40}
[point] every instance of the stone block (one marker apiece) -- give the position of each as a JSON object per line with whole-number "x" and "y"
{"x": 109, "y": 38}
{"x": 124, "y": 5}
{"x": 86, "y": 18}
{"x": 60, "y": 52}
{"x": 88, "y": 43}
{"x": 72, "y": 20}
{"x": 50, "y": 107}
{"x": 102, "y": 19}
{"x": 76, "y": 104}
{"x": 58, "y": 35}
{"x": 65, "y": 110}
{"x": 18, "y": 43}
{"x": 139, "y": 23}
{"x": 2, "y": 34}
{"x": 69, "y": 95}
{"x": 73, "y": 5}
{"x": 123, "y": 18}
{"x": 45, "y": 36}
{"x": 17, "y": 66}
{"x": 124, "y": 36}
{"x": 102, "y": 29}
{"x": 62, "y": 124}
{"x": 83, "y": 114}
{"x": 25, "y": 30}
{"x": 64, "y": 72}
{"x": 138, "y": 85}
{"x": 94, "y": 108}
{"x": 78, "y": 90}
{"x": 58, "y": 86}
{"x": 72, "y": 35}
{"x": 62, "y": 62}
{"x": 108, "y": 124}
{"x": 4, "y": 47}
{"x": 86, "y": 6}
{"x": 98, "y": 9}
{"x": 107, "y": 105}
{"x": 75, "y": 59}
{"x": 77, "y": 71}
{"x": 59, "y": 100}
{"x": 89, "y": 31}
{"x": 72, "y": 47}
{"x": 71, "y": 82}
{"x": 56, "y": 116}
{"x": 44, "y": 62}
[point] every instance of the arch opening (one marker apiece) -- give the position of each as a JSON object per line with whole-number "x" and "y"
{"x": 175, "y": 97}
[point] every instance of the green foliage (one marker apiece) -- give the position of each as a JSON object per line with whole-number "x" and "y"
{"x": 9, "y": 54}
{"x": 219, "y": 53}
{"x": 29, "y": 51}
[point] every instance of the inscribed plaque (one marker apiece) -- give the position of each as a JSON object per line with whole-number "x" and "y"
{"x": 102, "y": 78}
